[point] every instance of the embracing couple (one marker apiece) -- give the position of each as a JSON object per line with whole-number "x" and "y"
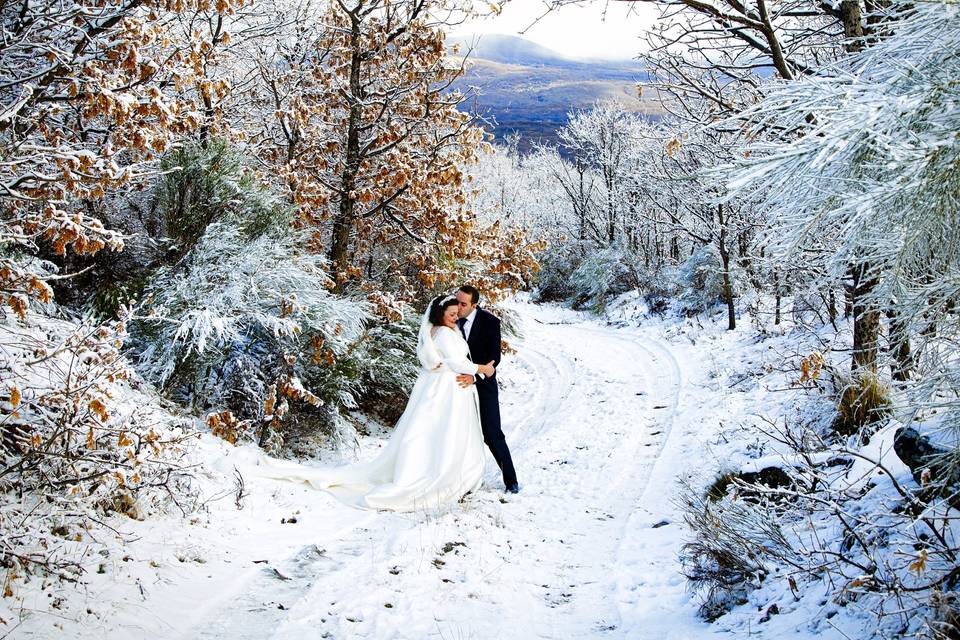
{"x": 435, "y": 455}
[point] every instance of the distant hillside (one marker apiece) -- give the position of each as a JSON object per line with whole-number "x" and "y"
{"x": 529, "y": 89}
{"x": 508, "y": 49}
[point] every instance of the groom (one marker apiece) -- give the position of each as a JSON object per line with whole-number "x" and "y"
{"x": 481, "y": 329}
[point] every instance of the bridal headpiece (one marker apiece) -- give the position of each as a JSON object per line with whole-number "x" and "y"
{"x": 439, "y": 302}
{"x": 426, "y": 350}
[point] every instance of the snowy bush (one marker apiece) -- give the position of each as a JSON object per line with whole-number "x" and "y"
{"x": 557, "y": 264}
{"x": 847, "y": 522}
{"x": 586, "y": 275}
{"x": 603, "y": 274}
{"x": 206, "y": 184}
{"x": 863, "y": 401}
{"x": 726, "y": 559}
{"x": 241, "y": 313}
{"x": 76, "y": 443}
{"x": 388, "y": 364}
{"x": 245, "y": 321}
{"x": 700, "y": 281}
{"x": 659, "y": 287}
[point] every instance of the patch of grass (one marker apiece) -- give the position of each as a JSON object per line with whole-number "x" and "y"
{"x": 863, "y": 401}
{"x": 718, "y": 488}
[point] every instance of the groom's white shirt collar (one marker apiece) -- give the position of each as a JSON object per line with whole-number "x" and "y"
{"x": 469, "y": 322}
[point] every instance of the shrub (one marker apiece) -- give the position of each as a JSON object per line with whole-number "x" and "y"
{"x": 76, "y": 443}
{"x": 557, "y": 264}
{"x": 724, "y": 559}
{"x": 603, "y": 274}
{"x": 720, "y": 486}
{"x": 241, "y": 314}
{"x": 944, "y": 623}
{"x": 584, "y": 275}
{"x": 700, "y": 280}
{"x": 205, "y": 184}
{"x": 388, "y": 365}
{"x": 863, "y": 400}
{"x": 659, "y": 288}
{"x": 109, "y": 300}
{"x": 244, "y": 322}
{"x": 832, "y": 516}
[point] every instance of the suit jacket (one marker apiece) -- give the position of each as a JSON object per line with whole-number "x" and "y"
{"x": 484, "y": 343}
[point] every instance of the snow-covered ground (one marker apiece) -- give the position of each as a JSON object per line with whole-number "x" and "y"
{"x": 602, "y": 420}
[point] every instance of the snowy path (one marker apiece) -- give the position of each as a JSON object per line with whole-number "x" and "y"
{"x": 587, "y": 410}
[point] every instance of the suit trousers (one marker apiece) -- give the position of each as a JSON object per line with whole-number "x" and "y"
{"x": 488, "y": 395}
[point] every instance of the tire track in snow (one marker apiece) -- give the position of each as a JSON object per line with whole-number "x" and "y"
{"x": 590, "y": 406}
{"x": 262, "y": 597}
{"x": 554, "y": 376}
{"x": 668, "y": 385}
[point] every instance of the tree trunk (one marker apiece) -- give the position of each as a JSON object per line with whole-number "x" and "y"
{"x": 902, "y": 365}
{"x": 866, "y": 320}
{"x": 773, "y": 43}
{"x": 728, "y": 292}
{"x": 343, "y": 221}
{"x": 725, "y": 258}
{"x": 777, "y": 297}
{"x": 852, "y": 25}
{"x": 611, "y": 215}
{"x": 832, "y": 305}
{"x": 866, "y": 330}
{"x": 208, "y": 114}
{"x": 744, "y": 259}
{"x": 581, "y": 205}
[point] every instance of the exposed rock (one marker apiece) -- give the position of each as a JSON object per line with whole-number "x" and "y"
{"x": 930, "y": 464}
{"x": 772, "y": 610}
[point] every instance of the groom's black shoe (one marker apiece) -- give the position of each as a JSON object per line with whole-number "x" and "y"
{"x": 514, "y": 488}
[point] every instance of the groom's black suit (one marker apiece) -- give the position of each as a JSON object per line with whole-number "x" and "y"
{"x": 484, "y": 342}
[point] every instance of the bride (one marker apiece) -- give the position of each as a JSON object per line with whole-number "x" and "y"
{"x": 436, "y": 452}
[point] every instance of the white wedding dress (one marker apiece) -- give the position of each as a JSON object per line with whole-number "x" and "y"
{"x": 436, "y": 452}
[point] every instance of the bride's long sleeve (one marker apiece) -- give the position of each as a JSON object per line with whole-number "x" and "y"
{"x": 454, "y": 353}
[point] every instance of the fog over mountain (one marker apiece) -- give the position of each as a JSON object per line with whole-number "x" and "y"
{"x": 529, "y": 89}
{"x": 508, "y": 49}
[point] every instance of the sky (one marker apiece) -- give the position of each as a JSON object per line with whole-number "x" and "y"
{"x": 600, "y": 29}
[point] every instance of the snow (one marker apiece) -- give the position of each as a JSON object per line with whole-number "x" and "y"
{"x": 603, "y": 419}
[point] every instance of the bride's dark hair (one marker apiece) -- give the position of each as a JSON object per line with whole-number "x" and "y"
{"x": 438, "y": 307}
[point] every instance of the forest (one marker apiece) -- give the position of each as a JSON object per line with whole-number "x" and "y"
{"x": 226, "y": 218}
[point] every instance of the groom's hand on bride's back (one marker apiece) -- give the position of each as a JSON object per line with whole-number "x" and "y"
{"x": 465, "y": 380}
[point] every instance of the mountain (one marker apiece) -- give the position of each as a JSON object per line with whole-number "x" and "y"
{"x": 521, "y": 87}
{"x": 508, "y": 49}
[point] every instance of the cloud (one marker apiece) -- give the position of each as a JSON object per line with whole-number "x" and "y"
{"x": 597, "y": 30}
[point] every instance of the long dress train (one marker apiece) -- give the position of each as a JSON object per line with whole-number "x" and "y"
{"x": 435, "y": 454}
